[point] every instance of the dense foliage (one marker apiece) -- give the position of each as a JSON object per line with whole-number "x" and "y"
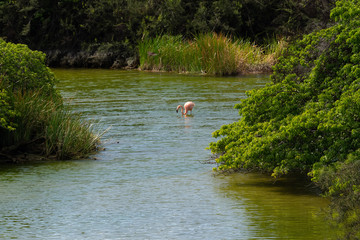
{"x": 308, "y": 118}
{"x": 33, "y": 118}
{"x": 79, "y": 25}
{"x": 24, "y": 70}
{"x": 6, "y": 112}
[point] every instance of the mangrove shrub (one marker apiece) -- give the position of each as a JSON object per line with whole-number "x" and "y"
{"x": 308, "y": 118}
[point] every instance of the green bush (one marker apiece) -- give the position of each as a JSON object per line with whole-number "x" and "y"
{"x": 297, "y": 118}
{"x": 6, "y": 112}
{"x": 308, "y": 118}
{"x": 24, "y": 70}
{"x": 33, "y": 118}
{"x": 341, "y": 182}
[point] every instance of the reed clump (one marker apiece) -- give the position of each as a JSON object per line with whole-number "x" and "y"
{"x": 45, "y": 126}
{"x": 212, "y": 53}
{"x": 68, "y": 135}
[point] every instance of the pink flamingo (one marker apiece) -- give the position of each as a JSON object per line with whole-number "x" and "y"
{"x": 188, "y": 107}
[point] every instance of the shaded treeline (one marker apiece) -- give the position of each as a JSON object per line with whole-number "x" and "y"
{"x": 99, "y": 33}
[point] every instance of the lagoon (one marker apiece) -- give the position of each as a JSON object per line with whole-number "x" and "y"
{"x": 154, "y": 179}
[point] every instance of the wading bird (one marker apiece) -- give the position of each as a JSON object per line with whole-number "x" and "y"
{"x": 188, "y": 106}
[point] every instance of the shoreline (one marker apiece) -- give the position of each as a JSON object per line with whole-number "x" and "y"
{"x": 87, "y": 60}
{"x": 57, "y": 58}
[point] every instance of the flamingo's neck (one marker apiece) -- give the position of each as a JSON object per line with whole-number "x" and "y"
{"x": 182, "y": 110}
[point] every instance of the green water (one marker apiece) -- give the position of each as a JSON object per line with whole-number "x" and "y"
{"x": 151, "y": 181}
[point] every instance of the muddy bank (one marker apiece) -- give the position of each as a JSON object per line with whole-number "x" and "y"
{"x": 32, "y": 150}
{"x": 83, "y": 59}
{"x": 110, "y": 55}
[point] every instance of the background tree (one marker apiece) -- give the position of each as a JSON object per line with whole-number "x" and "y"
{"x": 79, "y": 25}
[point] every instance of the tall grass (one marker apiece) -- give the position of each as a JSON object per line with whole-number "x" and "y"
{"x": 47, "y": 127}
{"x": 68, "y": 135}
{"x": 211, "y": 53}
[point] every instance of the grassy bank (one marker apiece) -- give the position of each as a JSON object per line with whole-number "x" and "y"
{"x": 211, "y": 53}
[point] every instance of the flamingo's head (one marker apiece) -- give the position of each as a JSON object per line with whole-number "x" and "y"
{"x": 177, "y": 109}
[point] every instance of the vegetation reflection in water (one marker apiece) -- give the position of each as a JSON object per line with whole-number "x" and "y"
{"x": 150, "y": 182}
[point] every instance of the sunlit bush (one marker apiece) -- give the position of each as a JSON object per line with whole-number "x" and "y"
{"x": 33, "y": 118}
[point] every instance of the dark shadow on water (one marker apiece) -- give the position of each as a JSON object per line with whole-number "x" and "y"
{"x": 295, "y": 184}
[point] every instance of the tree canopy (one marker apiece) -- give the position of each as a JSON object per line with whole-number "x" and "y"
{"x": 71, "y": 24}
